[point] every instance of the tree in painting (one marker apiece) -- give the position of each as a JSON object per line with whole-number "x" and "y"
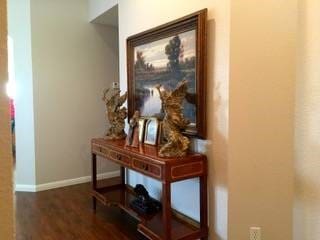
{"x": 174, "y": 51}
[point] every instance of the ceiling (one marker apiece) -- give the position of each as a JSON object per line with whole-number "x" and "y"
{"x": 109, "y": 17}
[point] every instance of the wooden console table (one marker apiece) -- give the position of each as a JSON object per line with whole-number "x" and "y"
{"x": 166, "y": 225}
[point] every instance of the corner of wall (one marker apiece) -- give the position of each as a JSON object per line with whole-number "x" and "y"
{"x": 19, "y": 22}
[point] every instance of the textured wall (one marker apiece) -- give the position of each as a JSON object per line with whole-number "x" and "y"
{"x": 307, "y": 138}
{"x": 6, "y": 169}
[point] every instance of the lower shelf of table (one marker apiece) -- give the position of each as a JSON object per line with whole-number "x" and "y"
{"x": 114, "y": 194}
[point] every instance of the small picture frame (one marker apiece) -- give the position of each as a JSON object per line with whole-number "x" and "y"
{"x": 142, "y": 124}
{"x": 151, "y": 131}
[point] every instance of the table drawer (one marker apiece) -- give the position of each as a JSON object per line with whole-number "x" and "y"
{"x": 187, "y": 170}
{"x": 147, "y": 168}
{"x": 119, "y": 157}
{"x": 100, "y": 150}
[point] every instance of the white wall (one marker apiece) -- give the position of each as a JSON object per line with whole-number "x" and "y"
{"x": 98, "y": 7}
{"x": 73, "y": 61}
{"x": 19, "y": 27}
{"x": 307, "y": 138}
{"x": 137, "y": 16}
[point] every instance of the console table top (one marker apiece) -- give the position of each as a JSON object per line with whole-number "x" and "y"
{"x": 147, "y": 151}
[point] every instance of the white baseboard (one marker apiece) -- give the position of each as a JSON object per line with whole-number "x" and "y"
{"x": 25, "y": 188}
{"x": 63, "y": 183}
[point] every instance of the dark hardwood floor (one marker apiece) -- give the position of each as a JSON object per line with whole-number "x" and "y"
{"x": 66, "y": 214}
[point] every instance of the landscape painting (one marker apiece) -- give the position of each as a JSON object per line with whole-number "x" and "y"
{"x": 167, "y": 62}
{"x": 167, "y": 55}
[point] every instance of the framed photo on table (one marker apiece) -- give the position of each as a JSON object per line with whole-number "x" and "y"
{"x": 151, "y": 131}
{"x": 142, "y": 123}
{"x": 167, "y": 55}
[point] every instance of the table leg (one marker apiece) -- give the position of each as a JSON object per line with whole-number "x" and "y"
{"x": 123, "y": 175}
{"x": 94, "y": 179}
{"x": 123, "y": 183}
{"x": 203, "y": 205}
{"x": 166, "y": 211}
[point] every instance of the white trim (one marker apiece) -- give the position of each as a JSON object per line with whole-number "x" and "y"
{"x": 25, "y": 188}
{"x": 63, "y": 183}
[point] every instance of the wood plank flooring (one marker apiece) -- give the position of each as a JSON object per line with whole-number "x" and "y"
{"x": 66, "y": 214}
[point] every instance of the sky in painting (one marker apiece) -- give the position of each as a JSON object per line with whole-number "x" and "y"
{"x": 154, "y": 52}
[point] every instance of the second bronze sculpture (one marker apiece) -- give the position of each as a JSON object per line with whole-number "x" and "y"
{"x": 174, "y": 122}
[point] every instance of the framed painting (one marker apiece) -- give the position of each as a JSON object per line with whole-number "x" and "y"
{"x": 166, "y": 55}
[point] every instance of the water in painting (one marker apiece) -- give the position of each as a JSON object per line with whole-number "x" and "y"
{"x": 167, "y": 62}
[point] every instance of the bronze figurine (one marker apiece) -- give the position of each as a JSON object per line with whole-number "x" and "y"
{"x": 115, "y": 114}
{"x": 132, "y": 139}
{"x": 174, "y": 122}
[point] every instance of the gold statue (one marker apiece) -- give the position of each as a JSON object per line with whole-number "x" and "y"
{"x": 115, "y": 114}
{"x": 174, "y": 121}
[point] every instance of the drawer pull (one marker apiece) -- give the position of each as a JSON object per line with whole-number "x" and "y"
{"x": 118, "y": 157}
{"x": 145, "y": 167}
